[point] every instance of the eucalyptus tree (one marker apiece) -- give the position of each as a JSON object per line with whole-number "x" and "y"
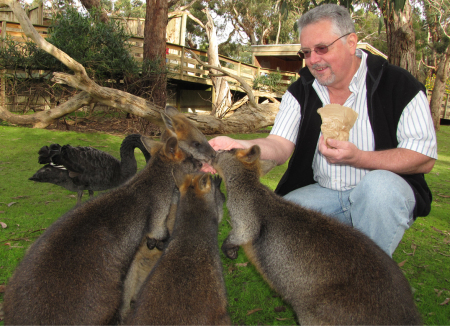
{"x": 129, "y": 8}
{"x": 437, "y": 13}
{"x": 255, "y": 18}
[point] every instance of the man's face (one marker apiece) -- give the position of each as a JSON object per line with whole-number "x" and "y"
{"x": 331, "y": 68}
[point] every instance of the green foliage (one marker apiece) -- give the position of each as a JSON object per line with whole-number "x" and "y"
{"x": 236, "y": 51}
{"x": 430, "y": 84}
{"x": 442, "y": 45}
{"x": 102, "y": 48}
{"x": 367, "y": 25}
{"x": 269, "y": 83}
{"x": 14, "y": 55}
{"x": 127, "y": 8}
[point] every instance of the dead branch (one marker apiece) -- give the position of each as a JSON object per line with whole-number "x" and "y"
{"x": 43, "y": 119}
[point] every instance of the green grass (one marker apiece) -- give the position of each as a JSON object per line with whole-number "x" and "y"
{"x": 27, "y": 208}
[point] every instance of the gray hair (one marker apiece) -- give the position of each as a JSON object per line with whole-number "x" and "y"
{"x": 338, "y": 15}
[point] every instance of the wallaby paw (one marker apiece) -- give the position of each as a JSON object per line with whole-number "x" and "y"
{"x": 231, "y": 251}
{"x": 158, "y": 244}
{"x": 151, "y": 243}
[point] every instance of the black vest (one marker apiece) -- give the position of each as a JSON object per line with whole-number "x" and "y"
{"x": 389, "y": 90}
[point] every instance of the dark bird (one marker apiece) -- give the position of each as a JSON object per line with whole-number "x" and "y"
{"x": 86, "y": 168}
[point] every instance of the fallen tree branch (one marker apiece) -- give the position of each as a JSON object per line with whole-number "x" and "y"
{"x": 43, "y": 119}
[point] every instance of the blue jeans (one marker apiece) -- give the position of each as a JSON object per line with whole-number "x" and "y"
{"x": 381, "y": 206}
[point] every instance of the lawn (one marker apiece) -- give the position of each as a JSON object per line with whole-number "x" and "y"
{"x": 27, "y": 208}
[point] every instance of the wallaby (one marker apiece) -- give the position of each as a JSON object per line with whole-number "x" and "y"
{"x": 144, "y": 260}
{"x": 193, "y": 141}
{"x": 190, "y": 138}
{"x": 329, "y": 272}
{"x": 186, "y": 286}
{"x": 74, "y": 272}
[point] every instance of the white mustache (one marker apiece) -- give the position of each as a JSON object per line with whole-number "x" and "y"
{"x": 319, "y": 66}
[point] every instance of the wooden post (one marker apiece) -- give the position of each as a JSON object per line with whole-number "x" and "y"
{"x": 181, "y": 63}
{"x": 41, "y": 13}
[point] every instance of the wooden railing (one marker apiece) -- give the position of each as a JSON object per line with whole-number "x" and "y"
{"x": 184, "y": 67}
{"x": 181, "y": 64}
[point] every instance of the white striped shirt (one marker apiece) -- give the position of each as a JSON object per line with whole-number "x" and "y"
{"x": 415, "y": 130}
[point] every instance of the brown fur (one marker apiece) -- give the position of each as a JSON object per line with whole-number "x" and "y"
{"x": 143, "y": 262}
{"x": 190, "y": 138}
{"x": 186, "y": 287}
{"x": 73, "y": 274}
{"x": 329, "y": 272}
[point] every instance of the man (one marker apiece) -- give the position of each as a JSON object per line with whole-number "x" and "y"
{"x": 374, "y": 181}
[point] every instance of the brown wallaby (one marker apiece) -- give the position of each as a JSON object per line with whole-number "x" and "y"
{"x": 186, "y": 286}
{"x": 329, "y": 272}
{"x": 190, "y": 138}
{"x": 143, "y": 262}
{"x": 74, "y": 272}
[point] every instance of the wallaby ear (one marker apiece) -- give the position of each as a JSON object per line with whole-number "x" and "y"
{"x": 249, "y": 155}
{"x": 170, "y": 127}
{"x": 266, "y": 166}
{"x": 150, "y": 144}
{"x": 171, "y": 147}
{"x": 168, "y": 122}
{"x": 171, "y": 111}
{"x": 204, "y": 182}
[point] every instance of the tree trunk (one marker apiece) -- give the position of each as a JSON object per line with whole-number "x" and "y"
{"x": 222, "y": 101}
{"x": 279, "y": 29}
{"x": 155, "y": 49}
{"x": 439, "y": 88}
{"x": 401, "y": 38}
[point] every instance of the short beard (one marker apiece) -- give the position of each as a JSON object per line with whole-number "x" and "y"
{"x": 324, "y": 82}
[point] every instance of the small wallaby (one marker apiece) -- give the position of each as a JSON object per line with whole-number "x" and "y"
{"x": 186, "y": 286}
{"x": 144, "y": 260}
{"x": 329, "y": 272}
{"x": 74, "y": 272}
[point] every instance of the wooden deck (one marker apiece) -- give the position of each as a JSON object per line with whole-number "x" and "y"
{"x": 181, "y": 64}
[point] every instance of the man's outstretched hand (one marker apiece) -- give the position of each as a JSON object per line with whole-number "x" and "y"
{"x": 225, "y": 143}
{"x": 220, "y": 143}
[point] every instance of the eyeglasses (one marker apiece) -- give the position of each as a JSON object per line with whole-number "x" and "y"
{"x": 321, "y": 49}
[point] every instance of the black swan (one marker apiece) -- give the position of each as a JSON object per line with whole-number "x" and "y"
{"x": 86, "y": 168}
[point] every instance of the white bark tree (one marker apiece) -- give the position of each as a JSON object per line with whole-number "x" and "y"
{"x": 222, "y": 101}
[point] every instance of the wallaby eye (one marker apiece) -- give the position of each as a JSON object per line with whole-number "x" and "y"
{"x": 195, "y": 144}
